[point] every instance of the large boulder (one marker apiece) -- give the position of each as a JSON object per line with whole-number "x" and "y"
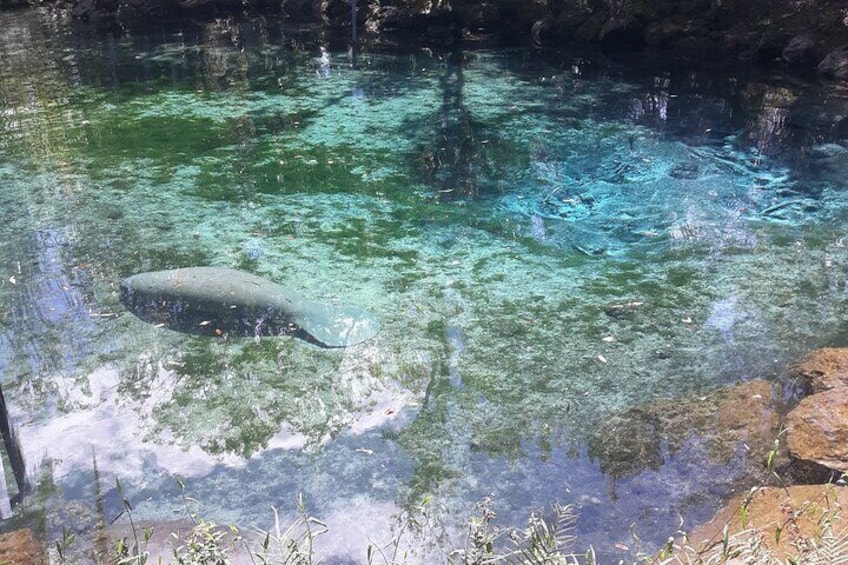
{"x": 802, "y": 50}
{"x": 817, "y": 430}
{"x": 775, "y": 524}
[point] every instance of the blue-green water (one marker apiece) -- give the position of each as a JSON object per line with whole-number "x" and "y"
{"x": 546, "y": 240}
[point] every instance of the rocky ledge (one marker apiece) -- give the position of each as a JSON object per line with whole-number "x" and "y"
{"x": 817, "y": 429}
{"x": 775, "y": 524}
{"x": 792, "y": 522}
{"x": 809, "y": 36}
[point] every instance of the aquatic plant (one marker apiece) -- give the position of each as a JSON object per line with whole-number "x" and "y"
{"x": 546, "y": 539}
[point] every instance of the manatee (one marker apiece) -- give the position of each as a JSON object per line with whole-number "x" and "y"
{"x": 216, "y": 301}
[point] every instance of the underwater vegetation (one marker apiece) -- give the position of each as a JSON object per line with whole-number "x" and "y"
{"x": 545, "y": 243}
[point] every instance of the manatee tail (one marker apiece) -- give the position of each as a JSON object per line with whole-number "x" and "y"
{"x": 336, "y": 326}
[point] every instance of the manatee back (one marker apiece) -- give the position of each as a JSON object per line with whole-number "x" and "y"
{"x": 190, "y": 299}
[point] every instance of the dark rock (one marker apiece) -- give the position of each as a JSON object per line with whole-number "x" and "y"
{"x": 569, "y": 21}
{"x": 444, "y": 34}
{"x": 390, "y": 18}
{"x": 478, "y": 16}
{"x": 835, "y": 64}
{"x": 338, "y": 12}
{"x": 590, "y": 28}
{"x": 663, "y": 32}
{"x": 622, "y": 31}
{"x": 740, "y": 42}
{"x": 686, "y": 33}
{"x": 693, "y": 43}
{"x": 439, "y": 27}
{"x": 801, "y": 50}
{"x": 801, "y": 472}
{"x": 769, "y": 46}
{"x": 301, "y": 9}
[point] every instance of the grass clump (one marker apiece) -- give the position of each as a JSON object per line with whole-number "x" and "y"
{"x": 546, "y": 539}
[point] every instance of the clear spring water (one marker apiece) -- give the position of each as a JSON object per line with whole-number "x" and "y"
{"x": 493, "y": 209}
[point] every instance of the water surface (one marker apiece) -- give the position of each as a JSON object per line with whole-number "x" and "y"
{"x": 546, "y": 240}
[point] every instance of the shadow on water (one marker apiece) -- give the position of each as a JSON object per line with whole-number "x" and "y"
{"x": 452, "y": 161}
{"x": 14, "y": 453}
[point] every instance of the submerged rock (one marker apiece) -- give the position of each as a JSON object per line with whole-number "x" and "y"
{"x": 625, "y": 309}
{"x": 745, "y": 416}
{"x": 826, "y": 162}
{"x": 826, "y": 152}
{"x": 802, "y": 50}
{"x": 835, "y": 64}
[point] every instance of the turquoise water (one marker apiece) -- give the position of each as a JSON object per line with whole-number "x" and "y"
{"x": 546, "y": 241}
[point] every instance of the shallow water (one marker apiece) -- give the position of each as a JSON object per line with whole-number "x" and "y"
{"x": 546, "y": 242}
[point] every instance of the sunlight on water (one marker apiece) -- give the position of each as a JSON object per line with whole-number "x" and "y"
{"x": 545, "y": 244}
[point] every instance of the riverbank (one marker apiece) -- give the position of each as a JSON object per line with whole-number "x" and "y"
{"x": 807, "y": 38}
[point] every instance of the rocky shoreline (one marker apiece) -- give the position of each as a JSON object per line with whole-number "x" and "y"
{"x": 808, "y": 37}
{"x": 784, "y": 456}
{"x": 791, "y": 455}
